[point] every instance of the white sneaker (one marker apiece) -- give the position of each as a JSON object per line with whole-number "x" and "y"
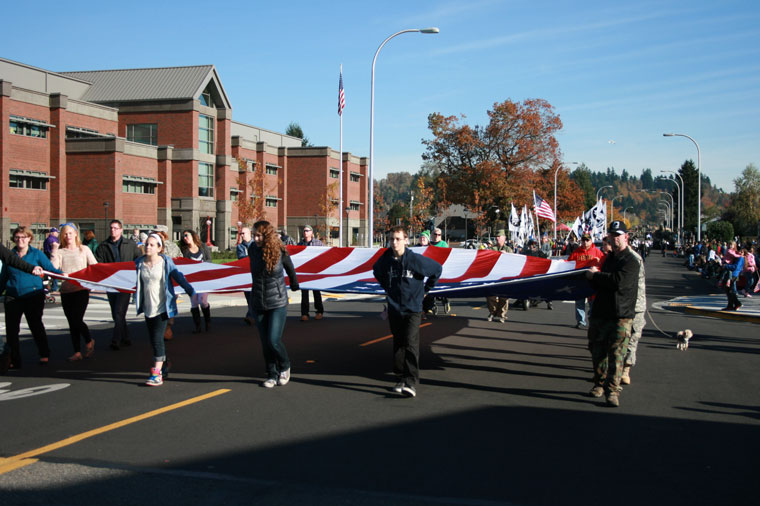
{"x": 502, "y": 319}
{"x": 284, "y": 377}
{"x": 269, "y": 383}
{"x": 399, "y": 387}
{"x": 490, "y": 317}
{"x": 409, "y": 391}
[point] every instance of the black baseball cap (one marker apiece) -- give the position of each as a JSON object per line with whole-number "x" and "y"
{"x": 617, "y": 228}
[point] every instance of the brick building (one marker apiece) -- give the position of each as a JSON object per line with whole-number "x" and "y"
{"x": 158, "y": 147}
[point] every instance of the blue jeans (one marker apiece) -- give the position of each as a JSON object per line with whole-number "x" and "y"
{"x": 580, "y": 311}
{"x": 271, "y": 323}
{"x": 156, "y": 329}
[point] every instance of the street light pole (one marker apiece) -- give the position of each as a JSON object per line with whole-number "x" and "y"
{"x": 683, "y": 195}
{"x": 680, "y": 211}
{"x": 624, "y": 210}
{"x": 371, "y": 168}
{"x": 556, "y": 217}
{"x": 699, "y": 182}
{"x": 612, "y": 207}
{"x": 668, "y": 213}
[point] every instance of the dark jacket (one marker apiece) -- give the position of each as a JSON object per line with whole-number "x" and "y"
{"x": 127, "y": 249}
{"x": 616, "y": 287}
{"x": 204, "y": 251}
{"x": 18, "y": 284}
{"x": 403, "y": 279}
{"x": 268, "y": 289}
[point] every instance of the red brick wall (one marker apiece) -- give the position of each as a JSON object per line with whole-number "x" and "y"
{"x": 92, "y": 181}
{"x": 177, "y": 128}
{"x": 307, "y": 179}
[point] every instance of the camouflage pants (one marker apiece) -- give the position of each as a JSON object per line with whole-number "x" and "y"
{"x": 638, "y": 326}
{"x": 498, "y": 306}
{"x": 608, "y": 344}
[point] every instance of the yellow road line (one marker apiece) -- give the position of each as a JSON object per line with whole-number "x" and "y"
{"x": 25, "y": 458}
{"x": 387, "y": 337}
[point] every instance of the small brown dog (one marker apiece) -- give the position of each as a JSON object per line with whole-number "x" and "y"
{"x": 683, "y": 339}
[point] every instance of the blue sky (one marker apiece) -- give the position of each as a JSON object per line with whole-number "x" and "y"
{"x": 618, "y": 74}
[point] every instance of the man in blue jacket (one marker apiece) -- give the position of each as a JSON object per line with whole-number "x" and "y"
{"x": 402, "y": 273}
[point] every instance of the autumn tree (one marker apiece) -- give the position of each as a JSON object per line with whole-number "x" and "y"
{"x": 498, "y": 161}
{"x": 423, "y": 198}
{"x": 745, "y": 201}
{"x": 250, "y": 202}
{"x": 328, "y": 203}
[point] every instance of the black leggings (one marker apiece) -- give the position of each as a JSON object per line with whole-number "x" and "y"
{"x": 32, "y": 308}
{"x": 74, "y": 306}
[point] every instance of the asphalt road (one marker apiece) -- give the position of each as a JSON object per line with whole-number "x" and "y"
{"x": 501, "y": 416}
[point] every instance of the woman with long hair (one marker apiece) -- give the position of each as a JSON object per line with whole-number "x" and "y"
{"x": 192, "y": 248}
{"x": 269, "y": 299}
{"x": 90, "y": 241}
{"x": 25, "y": 295}
{"x": 72, "y": 256}
{"x": 155, "y": 298}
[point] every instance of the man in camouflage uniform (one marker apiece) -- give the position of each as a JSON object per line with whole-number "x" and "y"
{"x": 498, "y": 306}
{"x": 612, "y": 314}
{"x": 638, "y": 322}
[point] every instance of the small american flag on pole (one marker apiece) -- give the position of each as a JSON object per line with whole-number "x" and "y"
{"x": 543, "y": 209}
{"x": 341, "y": 95}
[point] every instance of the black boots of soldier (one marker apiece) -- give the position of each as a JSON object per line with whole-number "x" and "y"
{"x": 196, "y": 312}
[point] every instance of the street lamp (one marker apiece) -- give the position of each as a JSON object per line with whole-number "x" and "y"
{"x": 672, "y": 206}
{"x": 699, "y": 182}
{"x": 372, "y": 129}
{"x": 678, "y": 205}
{"x": 612, "y": 207}
{"x": 668, "y": 213}
{"x": 600, "y": 191}
{"x": 556, "y": 217}
{"x": 683, "y": 196}
{"x": 208, "y": 231}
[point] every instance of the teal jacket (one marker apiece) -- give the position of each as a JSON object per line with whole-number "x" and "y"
{"x": 19, "y": 284}
{"x": 170, "y": 273}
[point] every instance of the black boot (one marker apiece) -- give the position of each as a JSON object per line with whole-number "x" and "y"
{"x": 207, "y": 316}
{"x": 196, "y": 312}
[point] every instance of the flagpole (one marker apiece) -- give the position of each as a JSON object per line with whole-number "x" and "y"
{"x": 340, "y": 161}
{"x": 535, "y": 211}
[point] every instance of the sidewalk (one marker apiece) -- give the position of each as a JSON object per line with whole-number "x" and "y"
{"x": 712, "y": 304}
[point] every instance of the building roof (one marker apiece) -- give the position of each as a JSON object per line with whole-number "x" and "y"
{"x": 151, "y": 84}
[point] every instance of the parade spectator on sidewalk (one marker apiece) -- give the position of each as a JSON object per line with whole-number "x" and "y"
{"x": 612, "y": 313}
{"x": 118, "y": 248}
{"x": 437, "y": 239}
{"x": 269, "y": 299}
{"x": 70, "y": 257}
{"x": 406, "y": 277}
{"x": 155, "y": 298}
{"x": 24, "y": 294}
{"x": 319, "y": 309}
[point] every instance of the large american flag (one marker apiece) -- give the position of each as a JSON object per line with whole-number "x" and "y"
{"x": 466, "y": 273}
{"x": 543, "y": 209}
{"x": 341, "y": 95}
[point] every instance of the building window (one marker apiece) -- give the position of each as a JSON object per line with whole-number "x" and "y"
{"x": 206, "y": 134}
{"x": 355, "y": 177}
{"x": 205, "y": 180}
{"x": 144, "y": 133}
{"x": 354, "y": 205}
{"x": 205, "y": 99}
{"x": 272, "y": 170}
{"x": 39, "y": 230}
{"x": 270, "y": 201}
{"x": 137, "y": 184}
{"x": 234, "y": 192}
{"x": 334, "y": 173}
{"x": 28, "y": 127}
{"x": 28, "y": 179}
